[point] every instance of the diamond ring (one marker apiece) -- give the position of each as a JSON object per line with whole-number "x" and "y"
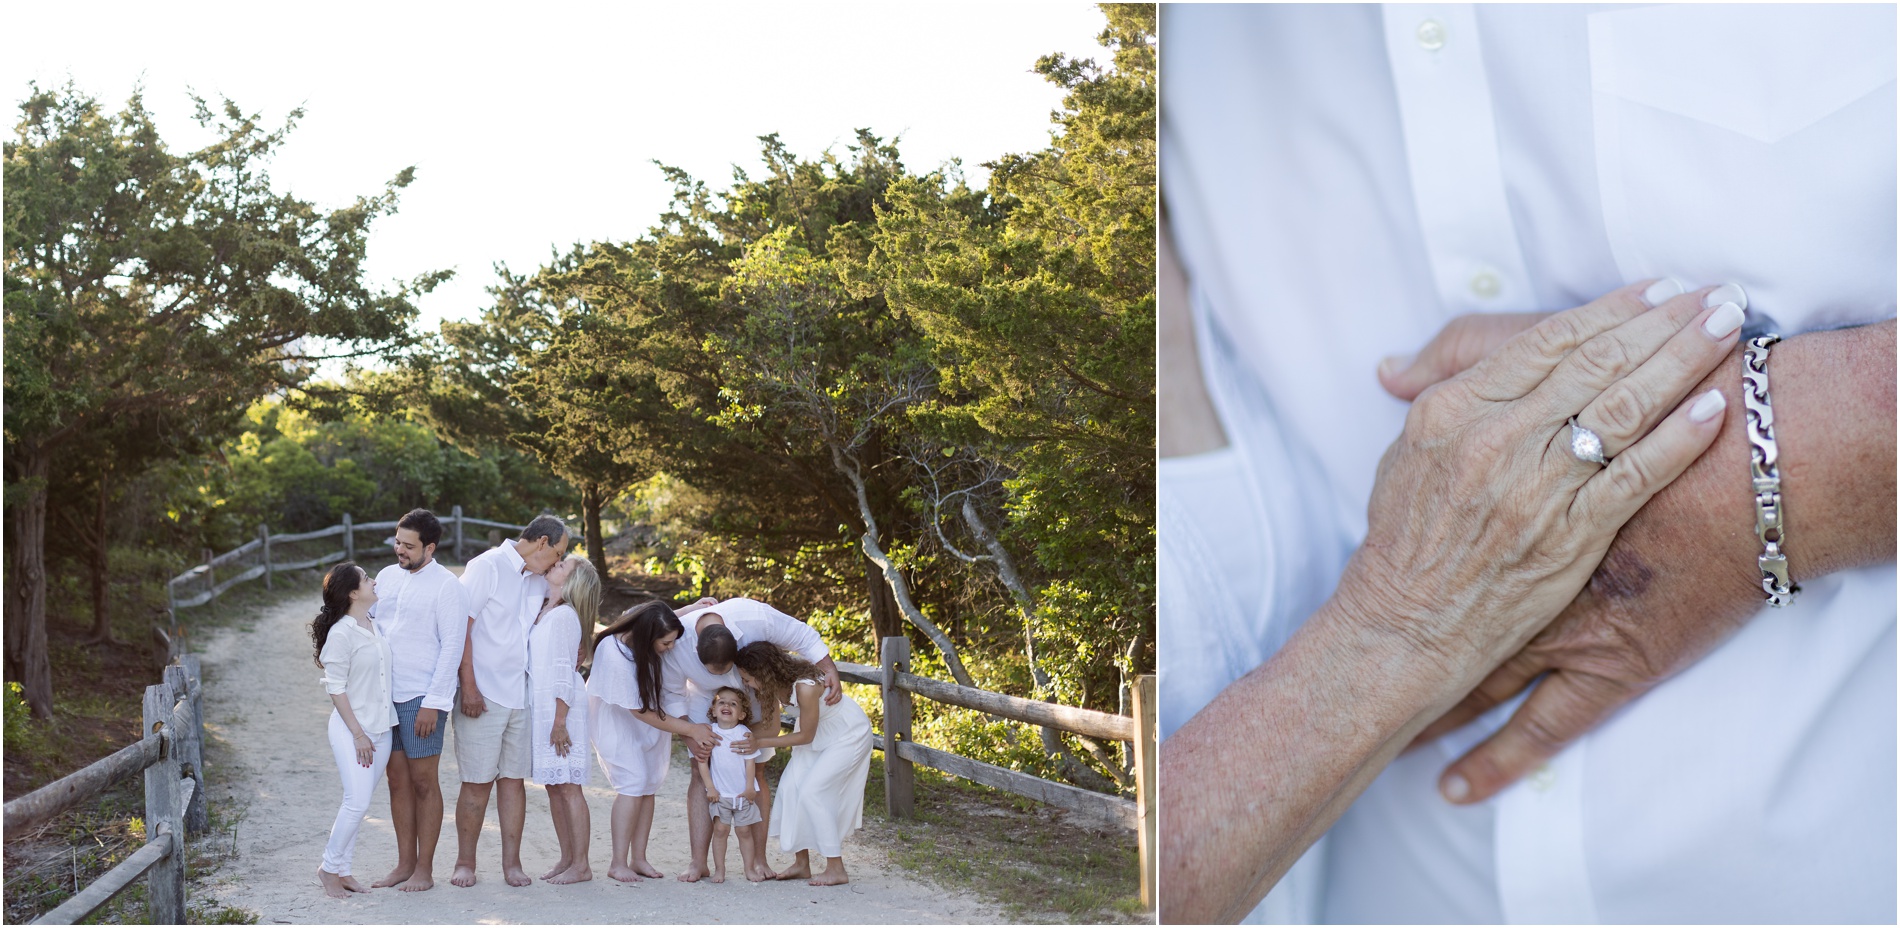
{"x": 1586, "y": 445}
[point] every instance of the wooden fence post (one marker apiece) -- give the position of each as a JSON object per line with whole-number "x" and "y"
{"x": 189, "y": 749}
{"x": 165, "y": 882}
{"x": 899, "y": 778}
{"x": 456, "y": 513}
{"x": 263, "y": 540}
{"x": 1146, "y": 814}
{"x": 211, "y": 583}
{"x": 349, "y": 539}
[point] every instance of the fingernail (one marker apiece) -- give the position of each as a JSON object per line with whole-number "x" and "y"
{"x": 1455, "y": 788}
{"x": 1726, "y": 318}
{"x": 1707, "y": 405}
{"x": 1395, "y": 365}
{"x": 1726, "y": 293}
{"x": 1661, "y": 292}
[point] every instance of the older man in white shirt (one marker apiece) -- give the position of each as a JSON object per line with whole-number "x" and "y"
{"x": 688, "y": 683}
{"x": 505, "y": 586}
{"x": 424, "y": 615}
{"x": 1342, "y": 182}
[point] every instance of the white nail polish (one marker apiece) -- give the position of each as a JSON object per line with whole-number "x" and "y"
{"x": 1455, "y": 788}
{"x": 1661, "y": 292}
{"x": 1727, "y": 293}
{"x": 1707, "y": 405}
{"x": 1727, "y": 318}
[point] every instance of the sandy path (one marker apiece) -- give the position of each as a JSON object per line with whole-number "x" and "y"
{"x": 265, "y": 716}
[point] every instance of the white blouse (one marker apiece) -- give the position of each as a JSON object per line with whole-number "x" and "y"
{"x": 356, "y": 663}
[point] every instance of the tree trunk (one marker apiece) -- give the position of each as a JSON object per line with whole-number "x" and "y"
{"x": 26, "y": 617}
{"x": 101, "y": 622}
{"x": 591, "y": 503}
{"x": 886, "y": 620}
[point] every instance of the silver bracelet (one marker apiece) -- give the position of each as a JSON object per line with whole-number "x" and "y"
{"x": 1763, "y": 464}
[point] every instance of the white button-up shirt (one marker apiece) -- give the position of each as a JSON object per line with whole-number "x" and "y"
{"x": 424, "y": 614}
{"x": 689, "y": 685}
{"x": 1341, "y": 181}
{"x": 503, "y": 598}
{"x": 356, "y": 664}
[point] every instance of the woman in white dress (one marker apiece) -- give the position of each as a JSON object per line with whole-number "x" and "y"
{"x": 634, "y": 754}
{"x": 821, "y": 794}
{"x": 557, "y": 714}
{"x": 356, "y": 674}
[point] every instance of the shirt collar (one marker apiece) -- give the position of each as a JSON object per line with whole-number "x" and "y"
{"x": 514, "y": 557}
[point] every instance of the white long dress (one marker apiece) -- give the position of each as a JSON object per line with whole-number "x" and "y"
{"x": 820, "y": 798}
{"x": 633, "y": 753}
{"x": 553, "y": 644}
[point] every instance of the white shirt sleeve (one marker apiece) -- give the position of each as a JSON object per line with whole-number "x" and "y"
{"x": 451, "y": 627}
{"x": 673, "y": 684}
{"x": 791, "y": 634}
{"x": 565, "y": 639}
{"x": 336, "y": 658}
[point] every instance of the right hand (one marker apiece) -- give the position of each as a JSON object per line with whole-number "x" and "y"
{"x": 473, "y": 705}
{"x": 1482, "y": 524}
{"x": 700, "y": 739}
{"x": 365, "y": 749}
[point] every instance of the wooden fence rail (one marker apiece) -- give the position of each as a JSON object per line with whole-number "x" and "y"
{"x": 897, "y": 687}
{"x": 171, "y": 758}
{"x": 205, "y": 575}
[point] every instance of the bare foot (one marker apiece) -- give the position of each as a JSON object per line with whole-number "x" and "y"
{"x": 719, "y": 876}
{"x": 770, "y": 874}
{"x": 623, "y": 873}
{"x": 692, "y": 875}
{"x": 647, "y": 870}
{"x": 332, "y": 884}
{"x": 416, "y": 883}
{"x": 577, "y": 874}
{"x": 797, "y": 871}
{"x": 557, "y": 870}
{"x": 757, "y": 875}
{"x": 833, "y": 876}
{"x": 515, "y": 875}
{"x": 464, "y": 875}
{"x": 349, "y": 883}
{"x": 395, "y": 876}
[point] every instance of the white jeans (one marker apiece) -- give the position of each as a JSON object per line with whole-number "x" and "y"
{"x": 359, "y": 782}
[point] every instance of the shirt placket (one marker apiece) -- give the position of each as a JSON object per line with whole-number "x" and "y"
{"x": 1458, "y": 188}
{"x": 1451, "y": 146}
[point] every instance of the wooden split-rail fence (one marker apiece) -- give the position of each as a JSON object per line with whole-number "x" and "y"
{"x": 170, "y": 757}
{"x": 204, "y": 576}
{"x": 898, "y": 686}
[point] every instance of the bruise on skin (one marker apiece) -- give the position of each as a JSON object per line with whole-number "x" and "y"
{"x": 1622, "y": 575}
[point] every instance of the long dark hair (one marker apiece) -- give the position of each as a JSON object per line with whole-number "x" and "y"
{"x": 776, "y": 669}
{"x": 338, "y": 584}
{"x": 639, "y": 628}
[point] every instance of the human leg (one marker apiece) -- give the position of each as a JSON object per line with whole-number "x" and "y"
{"x": 620, "y": 825}
{"x": 699, "y": 828}
{"x": 359, "y": 784}
{"x": 642, "y": 828}
{"x": 425, "y": 785}
{"x": 580, "y": 827}
{"x": 402, "y": 815}
{"x": 759, "y": 838}
{"x": 511, "y": 802}
{"x": 749, "y": 853}
{"x": 719, "y": 831}
{"x": 478, "y": 746}
{"x": 471, "y": 807}
{"x": 559, "y": 815}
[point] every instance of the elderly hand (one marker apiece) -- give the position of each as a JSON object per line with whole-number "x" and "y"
{"x": 1678, "y": 580}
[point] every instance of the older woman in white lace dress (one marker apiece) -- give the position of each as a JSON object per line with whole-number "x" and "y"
{"x": 557, "y": 712}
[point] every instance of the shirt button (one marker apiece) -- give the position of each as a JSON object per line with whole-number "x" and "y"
{"x": 1431, "y": 35}
{"x": 1485, "y": 285}
{"x": 1543, "y": 778}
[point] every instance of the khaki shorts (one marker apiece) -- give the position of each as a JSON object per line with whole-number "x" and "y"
{"x": 746, "y": 814}
{"x": 494, "y": 746}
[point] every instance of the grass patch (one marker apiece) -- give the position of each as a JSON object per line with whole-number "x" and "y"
{"x": 1014, "y": 851}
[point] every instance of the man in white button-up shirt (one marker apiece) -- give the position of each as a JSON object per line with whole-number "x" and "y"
{"x": 505, "y": 586}
{"x": 1342, "y": 182}
{"x": 424, "y": 614}
{"x": 688, "y": 679}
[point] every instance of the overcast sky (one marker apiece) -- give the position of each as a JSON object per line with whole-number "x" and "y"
{"x": 531, "y": 132}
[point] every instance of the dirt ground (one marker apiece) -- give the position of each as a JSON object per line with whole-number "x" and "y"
{"x": 265, "y": 718}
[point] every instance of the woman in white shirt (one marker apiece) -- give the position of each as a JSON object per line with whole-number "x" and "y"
{"x": 356, "y": 665}
{"x": 821, "y": 793}
{"x": 557, "y": 713}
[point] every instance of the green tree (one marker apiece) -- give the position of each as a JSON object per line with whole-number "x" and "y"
{"x": 144, "y": 283}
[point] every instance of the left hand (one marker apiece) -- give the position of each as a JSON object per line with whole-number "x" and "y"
{"x": 1678, "y": 579}
{"x": 745, "y": 743}
{"x": 425, "y": 722}
{"x": 560, "y": 739}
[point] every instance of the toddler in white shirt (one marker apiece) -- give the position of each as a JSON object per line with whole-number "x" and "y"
{"x": 730, "y": 780}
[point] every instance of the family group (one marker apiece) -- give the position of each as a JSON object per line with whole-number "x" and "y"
{"x": 502, "y": 647}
